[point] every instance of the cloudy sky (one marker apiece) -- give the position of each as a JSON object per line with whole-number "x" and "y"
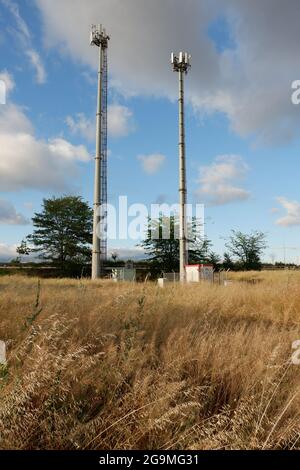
{"x": 243, "y": 130}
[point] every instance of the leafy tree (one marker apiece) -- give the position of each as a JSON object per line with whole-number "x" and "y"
{"x": 214, "y": 259}
{"x": 198, "y": 245}
{"x": 23, "y": 249}
{"x": 163, "y": 247}
{"x": 63, "y": 232}
{"x": 227, "y": 261}
{"x": 247, "y": 249}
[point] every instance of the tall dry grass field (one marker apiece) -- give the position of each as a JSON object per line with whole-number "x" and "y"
{"x": 126, "y": 366}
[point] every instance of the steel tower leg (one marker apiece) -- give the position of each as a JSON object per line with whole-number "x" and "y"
{"x": 100, "y": 39}
{"x": 182, "y": 182}
{"x": 96, "y": 257}
{"x": 103, "y": 222}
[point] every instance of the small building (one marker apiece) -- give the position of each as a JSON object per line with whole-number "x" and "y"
{"x": 124, "y": 274}
{"x": 199, "y": 272}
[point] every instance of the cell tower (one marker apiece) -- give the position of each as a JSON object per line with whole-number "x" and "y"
{"x": 182, "y": 64}
{"x": 100, "y": 39}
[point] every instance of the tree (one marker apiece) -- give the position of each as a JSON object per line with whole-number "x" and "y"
{"x": 227, "y": 261}
{"x": 247, "y": 249}
{"x": 63, "y": 232}
{"x": 199, "y": 245}
{"x": 214, "y": 259}
{"x": 23, "y": 249}
{"x": 163, "y": 247}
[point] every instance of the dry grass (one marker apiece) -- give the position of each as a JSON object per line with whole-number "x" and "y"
{"x": 106, "y": 366}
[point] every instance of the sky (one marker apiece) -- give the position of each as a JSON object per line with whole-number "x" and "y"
{"x": 242, "y": 128}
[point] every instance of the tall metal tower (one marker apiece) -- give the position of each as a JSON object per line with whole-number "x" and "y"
{"x": 100, "y": 39}
{"x": 182, "y": 64}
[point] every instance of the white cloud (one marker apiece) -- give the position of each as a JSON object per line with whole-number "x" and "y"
{"x": 9, "y": 215}
{"x": 7, "y": 252}
{"x": 28, "y": 162}
{"x": 81, "y": 125}
{"x": 24, "y": 36}
{"x": 120, "y": 123}
{"x": 152, "y": 163}
{"x": 21, "y": 25}
{"x": 41, "y": 76}
{"x": 218, "y": 180}
{"x": 8, "y": 79}
{"x": 14, "y": 121}
{"x": 67, "y": 151}
{"x": 292, "y": 209}
{"x": 250, "y": 83}
{"x": 6, "y": 86}
{"x": 138, "y": 56}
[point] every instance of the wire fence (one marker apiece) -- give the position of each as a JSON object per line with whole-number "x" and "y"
{"x": 215, "y": 277}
